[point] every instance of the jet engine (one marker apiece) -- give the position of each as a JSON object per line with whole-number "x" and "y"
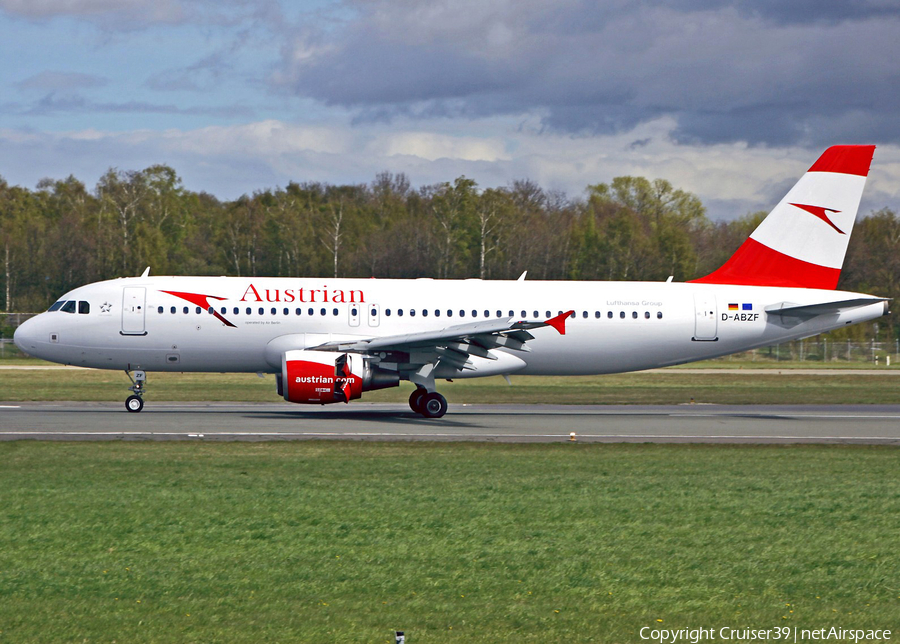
{"x": 323, "y": 377}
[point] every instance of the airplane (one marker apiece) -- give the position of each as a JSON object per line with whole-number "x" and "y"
{"x": 331, "y": 340}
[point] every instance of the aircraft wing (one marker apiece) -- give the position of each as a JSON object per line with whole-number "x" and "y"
{"x": 458, "y": 341}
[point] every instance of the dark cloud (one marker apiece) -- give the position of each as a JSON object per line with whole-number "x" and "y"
{"x": 810, "y": 72}
{"x": 799, "y": 11}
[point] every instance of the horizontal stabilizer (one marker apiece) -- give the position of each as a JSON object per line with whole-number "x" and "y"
{"x": 788, "y": 309}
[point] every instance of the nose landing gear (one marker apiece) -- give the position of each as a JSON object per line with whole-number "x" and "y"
{"x": 135, "y": 402}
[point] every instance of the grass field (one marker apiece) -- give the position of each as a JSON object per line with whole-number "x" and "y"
{"x": 345, "y": 542}
{"x": 670, "y": 387}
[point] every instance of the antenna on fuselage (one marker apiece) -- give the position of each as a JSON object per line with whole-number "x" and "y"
{"x": 522, "y": 276}
{"x": 146, "y": 272}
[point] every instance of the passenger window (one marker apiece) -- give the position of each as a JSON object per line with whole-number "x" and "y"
{"x": 572, "y": 315}
{"x": 487, "y": 314}
{"x": 548, "y": 314}
{"x": 262, "y": 311}
{"x": 512, "y": 313}
{"x": 524, "y": 314}
{"x": 659, "y": 315}
{"x": 309, "y": 311}
{"x": 322, "y": 312}
{"x": 224, "y": 310}
{"x": 56, "y": 306}
{"x": 424, "y": 313}
{"x": 609, "y": 314}
{"x": 474, "y": 314}
{"x": 185, "y": 310}
{"x": 298, "y": 311}
{"x": 249, "y": 310}
{"x": 287, "y": 311}
{"x": 400, "y": 312}
{"x": 536, "y": 314}
{"x": 274, "y": 311}
{"x": 462, "y": 313}
{"x": 499, "y": 314}
{"x": 211, "y": 310}
{"x": 412, "y": 313}
{"x": 159, "y": 309}
{"x": 634, "y": 314}
{"x": 622, "y": 314}
{"x": 387, "y": 312}
{"x": 236, "y": 310}
{"x": 584, "y": 314}
{"x": 68, "y": 307}
{"x": 646, "y": 315}
{"x": 199, "y": 310}
{"x": 334, "y": 311}
{"x": 597, "y": 314}
{"x": 449, "y": 313}
{"x": 437, "y": 313}
{"x": 172, "y": 310}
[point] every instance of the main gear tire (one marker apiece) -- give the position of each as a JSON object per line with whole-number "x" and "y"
{"x": 433, "y": 405}
{"x": 415, "y": 399}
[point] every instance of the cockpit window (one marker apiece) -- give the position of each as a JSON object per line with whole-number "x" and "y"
{"x": 56, "y": 306}
{"x": 68, "y": 307}
{"x": 84, "y": 308}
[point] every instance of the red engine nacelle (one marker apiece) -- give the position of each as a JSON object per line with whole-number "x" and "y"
{"x": 323, "y": 377}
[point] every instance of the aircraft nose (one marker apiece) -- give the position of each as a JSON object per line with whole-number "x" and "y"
{"x": 26, "y": 336}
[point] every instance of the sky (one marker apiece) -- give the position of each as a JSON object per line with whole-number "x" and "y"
{"x": 732, "y": 101}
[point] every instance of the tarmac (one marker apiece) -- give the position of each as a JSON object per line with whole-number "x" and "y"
{"x": 824, "y": 424}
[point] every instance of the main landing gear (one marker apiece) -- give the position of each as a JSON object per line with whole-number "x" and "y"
{"x": 430, "y": 405}
{"x": 135, "y": 402}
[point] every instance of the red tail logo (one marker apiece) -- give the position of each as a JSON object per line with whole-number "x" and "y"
{"x": 821, "y": 213}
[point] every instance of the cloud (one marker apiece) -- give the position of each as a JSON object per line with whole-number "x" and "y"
{"x": 201, "y": 76}
{"x": 55, "y": 80}
{"x": 764, "y": 73}
{"x": 136, "y": 11}
{"x": 74, "y": 103}
{"x": 132, "y": 15}
{"x": 732, "y": 179}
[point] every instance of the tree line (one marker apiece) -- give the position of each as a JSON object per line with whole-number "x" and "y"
{"x": 62, "y": 235}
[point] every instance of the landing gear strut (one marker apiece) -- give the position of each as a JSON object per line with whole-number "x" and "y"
{"x": 425, "y": 400}
{"x": 135, "y": 402}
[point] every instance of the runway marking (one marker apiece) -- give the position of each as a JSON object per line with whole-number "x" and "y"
{"x": 782, "y": 415}
{"x": 10, "y": 406}
{"x": 457, "y": 435}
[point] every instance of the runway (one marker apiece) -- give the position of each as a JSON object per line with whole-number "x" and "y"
{"x": 864, "y": 424}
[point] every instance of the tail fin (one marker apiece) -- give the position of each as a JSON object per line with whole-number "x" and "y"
{"x": 802, "y": 242}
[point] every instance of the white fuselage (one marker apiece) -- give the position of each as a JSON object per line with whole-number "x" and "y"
{"x": 138, "y": 323}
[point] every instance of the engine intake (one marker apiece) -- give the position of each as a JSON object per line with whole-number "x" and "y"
{"x": 323, "y": 377}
